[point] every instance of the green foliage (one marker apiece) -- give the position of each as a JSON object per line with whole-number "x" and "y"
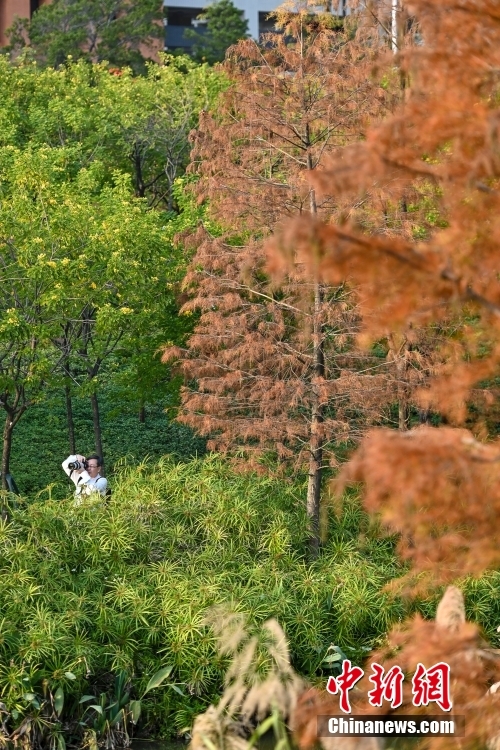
{"x": 139, "y": 126}
{"x": 85, "y": 267}
{"x": 124, "y": 586}
{"x": 115, "y": 713}
{"x": 84, "y": 156}
{"x": 482, "y": 602}
{"x": 95, "y": 30}
{"x": 225, "y": 25}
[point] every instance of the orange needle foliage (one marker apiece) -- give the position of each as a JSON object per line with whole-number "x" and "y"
{"x": 437, "y": 486}
{"x": 273, "y": 367}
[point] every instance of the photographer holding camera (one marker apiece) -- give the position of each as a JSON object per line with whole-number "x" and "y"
{"x": 84, "y": 472}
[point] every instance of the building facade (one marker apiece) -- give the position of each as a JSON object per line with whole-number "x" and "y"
{"x": 180, "y": 15}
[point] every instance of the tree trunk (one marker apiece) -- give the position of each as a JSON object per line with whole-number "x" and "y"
{"x": 69, "y": 414}
{"x": 314, "y": 495}
{"x": 140, "y": 188}
{"x": 424, "y": 416}
{"x": 13, "y": 415}
{"x": 142, "y": 414}
{"x": 403, "y": 415}
{"x": 70, "y": 421}
{"x": 7, "y": 447}
{"x": 403, "y": 406}
{"x": 398, "y": 352}
{"x": 394, "y": 26}
{"x": 316, "y": 437}
{"x": 97, "y": 424}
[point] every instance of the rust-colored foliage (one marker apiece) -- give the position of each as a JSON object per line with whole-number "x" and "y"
{"x": 447, "y": 130}
{"x": 474, "y": 670}
{"x": 275, "y": 366}
{"x": 437, "y": 486}
{"x": 440, "y": 489}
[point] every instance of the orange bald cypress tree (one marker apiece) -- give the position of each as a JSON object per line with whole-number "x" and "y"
{"x": 273, "y": 367}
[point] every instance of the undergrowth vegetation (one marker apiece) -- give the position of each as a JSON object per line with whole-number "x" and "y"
{"x": 122, "y": 588}
{"x": 41, "y": 441}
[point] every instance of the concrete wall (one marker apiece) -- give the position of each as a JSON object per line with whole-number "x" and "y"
{"x": 9, "y": 9}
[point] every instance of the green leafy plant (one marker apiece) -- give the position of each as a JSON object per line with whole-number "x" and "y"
{"x": 110, "y": 592}
{"x": 225, "y": 25}
{"x": 113, "y": 714}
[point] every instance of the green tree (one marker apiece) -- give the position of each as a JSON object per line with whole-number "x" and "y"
{"x": 139, "y": 375}
{"x": 225, "y": 26}
{"x": 84, "y": 267}
{"x": 139, "y": 125}
{"x": 114, "y": 30}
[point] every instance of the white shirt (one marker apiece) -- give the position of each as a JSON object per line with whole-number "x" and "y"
{"x": 84, "y": 483}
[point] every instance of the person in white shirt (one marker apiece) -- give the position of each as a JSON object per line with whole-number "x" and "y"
{"x": 84, "y": 472}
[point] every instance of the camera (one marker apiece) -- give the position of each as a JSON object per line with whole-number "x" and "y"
{"x": 78, "y": 465}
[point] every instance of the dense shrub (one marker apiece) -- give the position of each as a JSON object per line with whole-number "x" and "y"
{"x": 124, "y": 585}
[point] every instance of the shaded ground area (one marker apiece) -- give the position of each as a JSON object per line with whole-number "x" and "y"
{"x": 41, "y": 439}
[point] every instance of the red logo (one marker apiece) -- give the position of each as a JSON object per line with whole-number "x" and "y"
{"x": 343, "y": 683}
{"x": 428, "y": 685}
{"x": 432, "y": 685}
{"x": 388, "y": 687}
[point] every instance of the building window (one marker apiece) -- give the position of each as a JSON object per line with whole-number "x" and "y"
{"x": 266, "y": 25}
{"x": 181, "y": 16}
{"x": 177, "y": 21}
{"x": 343, "y": 8}
{"x": 34, "y": 5}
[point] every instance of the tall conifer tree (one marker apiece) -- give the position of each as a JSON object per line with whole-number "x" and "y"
{"x": 274, "y": 367}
